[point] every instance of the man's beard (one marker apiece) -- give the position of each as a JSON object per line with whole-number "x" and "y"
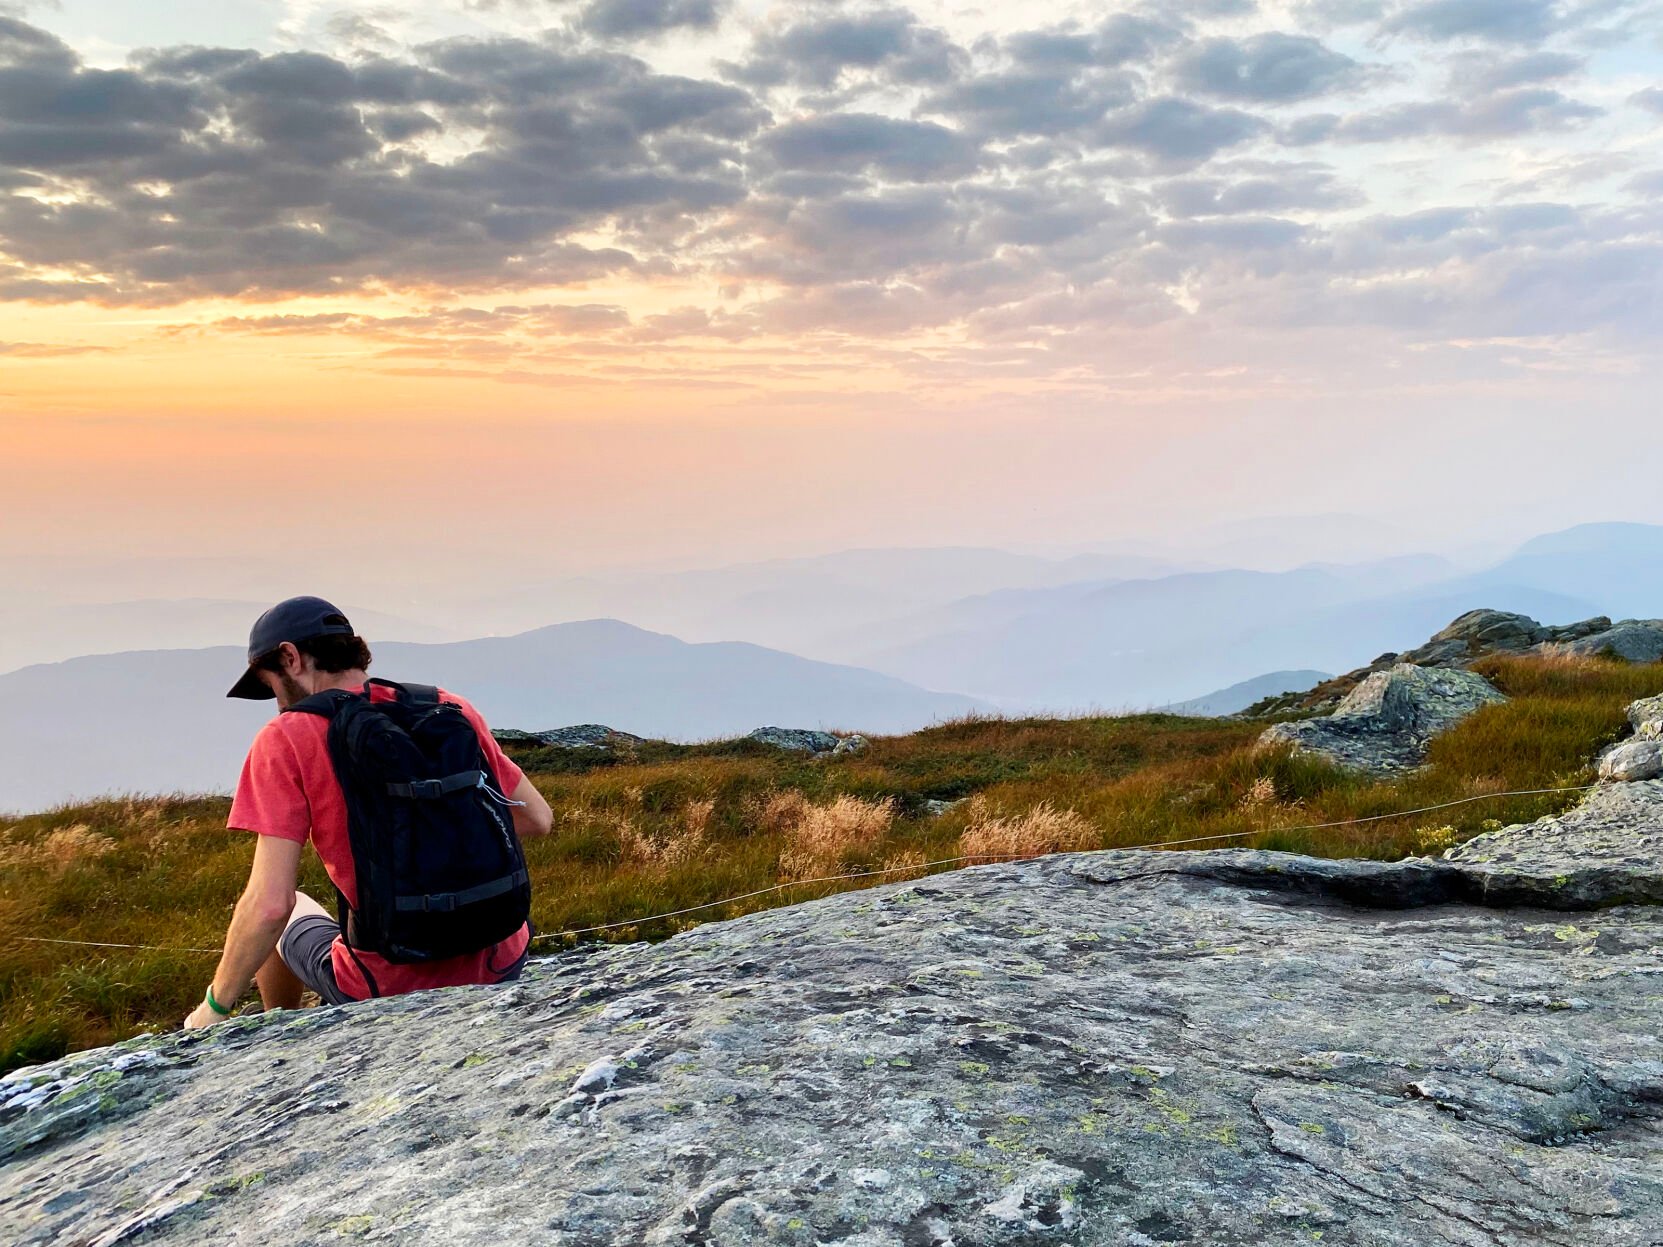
{"x": 292, "y": 692}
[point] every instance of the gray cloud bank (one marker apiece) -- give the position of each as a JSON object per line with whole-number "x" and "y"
{"x": 866, "y": 170}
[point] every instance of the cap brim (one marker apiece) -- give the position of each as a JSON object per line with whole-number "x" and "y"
{"x": 251, "y": 687}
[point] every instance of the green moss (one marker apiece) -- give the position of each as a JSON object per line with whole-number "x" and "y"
{"x": 232, "y": 1185}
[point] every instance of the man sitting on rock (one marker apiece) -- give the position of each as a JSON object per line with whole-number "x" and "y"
{"x": 290, "y": 792}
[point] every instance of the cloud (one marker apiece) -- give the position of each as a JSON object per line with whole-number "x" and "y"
{"x": 1122, "y": 38}
{"x": 1571, "y": 173}
{"x": 1519, "y": 71}
{"x": 1268, "y": 68}
{"x": 540, "y": 318}
{"x": 628, "y": 19}
{"x": 854, "y": 176}
{"x": 45, "y": 350}
{"x": 1017, "y": 102}
{"x": 1651, "y": 99}
{"x": 890, "y": 44}
{"x": 1501, "y": 114}
{"x": 1051, "y": 83}
{"x": 1257, "y": 188}
{"x": 1177, "y": 131}
{"x": 214, "y": 172}
{"x": 1497, "y": 21}
{"x": 858, "y": 142}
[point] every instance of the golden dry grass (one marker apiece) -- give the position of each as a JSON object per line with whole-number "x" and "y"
{"x": 1032, "y": 832}
{"x": 839, "y": 834}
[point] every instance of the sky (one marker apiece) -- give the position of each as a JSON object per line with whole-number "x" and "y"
{"x": 493, "y": 288}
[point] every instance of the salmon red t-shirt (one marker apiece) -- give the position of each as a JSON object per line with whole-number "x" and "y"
{"x": 288, "y": 789}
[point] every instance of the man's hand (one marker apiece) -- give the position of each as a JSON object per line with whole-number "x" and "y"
{"x": 256, "y": 925}
{"x": 202, "y": 1015}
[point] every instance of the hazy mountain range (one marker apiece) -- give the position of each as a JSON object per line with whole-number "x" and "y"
{"x": 1139, "y": 643}
{"x": 159, "y": 720}
{"x": 33, "y": 632}
{"x": 859, "y": 640}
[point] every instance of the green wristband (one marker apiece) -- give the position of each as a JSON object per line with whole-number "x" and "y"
{"x": 214, "y": 1004}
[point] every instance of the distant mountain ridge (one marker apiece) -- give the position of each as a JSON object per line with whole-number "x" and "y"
{"x": 159, "y": 720}
{"x": 1238, "y": 697}
{"x": 37, "y": 633}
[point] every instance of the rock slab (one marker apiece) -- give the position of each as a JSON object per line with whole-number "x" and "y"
{"x": 1114, "y": 1048}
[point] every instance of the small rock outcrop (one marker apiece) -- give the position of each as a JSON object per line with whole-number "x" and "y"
{"x": 1632, "y": 640}
{"x": 1642, "y": 756}
{"x": 1386, "y": 723}
{"x": 578, "y": 736}
{"x": 1231, "y": 1048}
{"x": 1479, "y": 634}
{"x": 801, "y": 739}
{"x": 935, "y": 807}
{"x": 1646, "y": 717}
{"x": 1632, "y": 760}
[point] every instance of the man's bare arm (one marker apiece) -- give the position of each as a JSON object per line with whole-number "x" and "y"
{"x": 257, "y": 922}
{"x": 534, "y": 818}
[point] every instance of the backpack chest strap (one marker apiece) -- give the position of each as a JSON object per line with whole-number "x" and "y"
{"x": 427, "y": 789}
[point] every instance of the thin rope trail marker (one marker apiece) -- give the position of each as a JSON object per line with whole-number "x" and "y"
{"x": 155, "y": 948}
{"x": 900, "y": 870}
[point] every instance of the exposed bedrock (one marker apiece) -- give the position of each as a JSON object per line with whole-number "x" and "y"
{"x": 1114, "y": 1048}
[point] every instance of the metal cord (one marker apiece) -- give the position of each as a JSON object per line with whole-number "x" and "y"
{"x": 897, "y": 870}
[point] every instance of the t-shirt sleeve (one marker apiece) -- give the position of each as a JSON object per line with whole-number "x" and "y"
{"x": 507, "y": 771}
{"x": 271, "y": 799}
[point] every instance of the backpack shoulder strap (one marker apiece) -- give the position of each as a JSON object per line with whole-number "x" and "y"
{"x": 414, "y": 694}
{"x": 325, "y": 704}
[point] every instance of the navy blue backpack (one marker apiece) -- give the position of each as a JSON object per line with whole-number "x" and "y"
{"x": 439, "y": 867}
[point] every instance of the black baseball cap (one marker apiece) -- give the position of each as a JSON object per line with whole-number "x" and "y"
{"x": 294, "y": 620}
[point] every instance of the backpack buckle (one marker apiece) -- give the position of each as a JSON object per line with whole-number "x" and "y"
{"x": 423, "y": 788}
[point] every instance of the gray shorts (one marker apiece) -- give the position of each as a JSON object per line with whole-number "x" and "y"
{"x": 307, "y": 949}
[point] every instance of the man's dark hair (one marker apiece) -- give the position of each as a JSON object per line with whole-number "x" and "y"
{"x": 332, "y": 654}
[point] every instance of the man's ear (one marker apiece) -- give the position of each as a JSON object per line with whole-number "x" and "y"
{"x": 294, "y": 663}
